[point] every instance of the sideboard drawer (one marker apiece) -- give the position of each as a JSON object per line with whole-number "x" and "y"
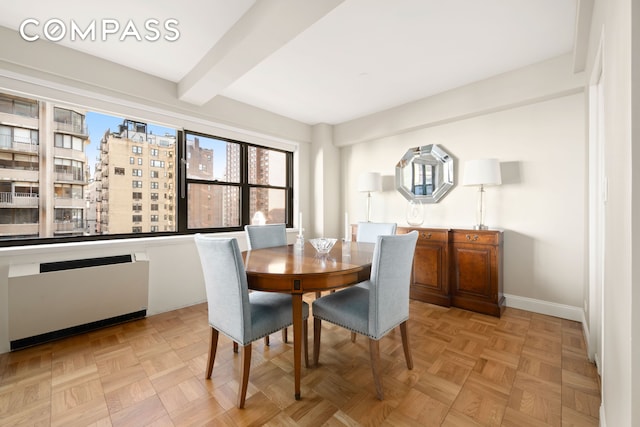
{"x": 426, "y": 234}
{"x": 483, "y": 237}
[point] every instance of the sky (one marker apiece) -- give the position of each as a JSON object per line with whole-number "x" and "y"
{"x": 99, "y": 123}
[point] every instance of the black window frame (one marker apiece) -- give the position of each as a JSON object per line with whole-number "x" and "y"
{"x": 244, "y": 185}
{"x": 179, "y": 200}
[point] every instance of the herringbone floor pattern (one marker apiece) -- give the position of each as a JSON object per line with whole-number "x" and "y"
{"x": 523, "y": 369}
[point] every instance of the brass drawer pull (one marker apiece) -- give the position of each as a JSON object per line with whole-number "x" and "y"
{"x": 426, "y": 235}
{"x": 474, "y": 237}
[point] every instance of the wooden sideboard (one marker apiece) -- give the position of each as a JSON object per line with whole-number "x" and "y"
{"x": 458, "y": 267}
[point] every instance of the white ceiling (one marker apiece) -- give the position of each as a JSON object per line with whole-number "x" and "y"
{"x": 320, "y": 62}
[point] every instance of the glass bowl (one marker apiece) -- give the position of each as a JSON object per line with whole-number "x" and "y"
{"x": 323, "y": 244}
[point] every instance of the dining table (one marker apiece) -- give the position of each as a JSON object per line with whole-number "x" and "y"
{"x": 296, "y": 271}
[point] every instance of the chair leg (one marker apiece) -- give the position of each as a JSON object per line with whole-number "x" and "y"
{"x": 305, "y": 338}
{"x": 317, "y": 327}
{"x": 374, "y": 350}
{"x": 284, "y": 335}
{"x": 212, "y": 352}
{"x": 244, "y": 381}
{"x": 266, "y": 340}
{"x": 405, "y": 344}
{"x": 353, "y": 337}
{"x": 235, "y": 347}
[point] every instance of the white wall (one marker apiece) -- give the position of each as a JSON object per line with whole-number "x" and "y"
{"x": 612, "y": 26}
{"x": 533, "y": 121}
{"x": 541, "y": 204}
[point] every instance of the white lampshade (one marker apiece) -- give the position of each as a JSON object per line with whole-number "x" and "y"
{"x": 482, "y": 172}
{"x": 370, "y": 181}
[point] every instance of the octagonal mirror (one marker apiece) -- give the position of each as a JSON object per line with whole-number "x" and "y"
{"x": 425, "y": 173}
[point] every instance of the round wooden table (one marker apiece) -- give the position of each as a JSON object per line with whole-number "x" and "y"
{"x": 283, "y": 269}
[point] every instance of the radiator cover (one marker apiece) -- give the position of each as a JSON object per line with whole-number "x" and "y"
{"x": 78, "y": 295}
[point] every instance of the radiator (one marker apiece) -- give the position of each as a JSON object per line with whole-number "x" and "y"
{"x": 57, "y": 299}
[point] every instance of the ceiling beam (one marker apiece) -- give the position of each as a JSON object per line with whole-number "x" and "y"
{"x": 584, "y": 12}
{"x": 262, "y": 30}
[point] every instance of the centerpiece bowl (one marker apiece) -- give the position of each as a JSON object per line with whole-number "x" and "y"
{"x": 323, "y": 245}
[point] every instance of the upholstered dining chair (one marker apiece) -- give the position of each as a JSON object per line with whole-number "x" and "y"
{"x": 241, "y": 315}
{"x": 369, "y": 231}
{"x": 266, "y": 236}
{"x": 374, "y": 310}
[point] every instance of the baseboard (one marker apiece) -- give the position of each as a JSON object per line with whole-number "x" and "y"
{"x": 603, "y": 419}
{"x": 545, "y": 307}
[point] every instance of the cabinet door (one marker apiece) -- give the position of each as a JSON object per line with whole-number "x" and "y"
{"x": 429, "y": 279}
{"x": 475, "y": 273}
{"x": 430, "y": 282}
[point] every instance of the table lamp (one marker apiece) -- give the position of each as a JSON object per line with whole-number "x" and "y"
{"x": 369, "y": 182}
{"x": 481, "y": 172}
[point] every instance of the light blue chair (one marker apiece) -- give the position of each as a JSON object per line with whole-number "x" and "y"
{"x": 369, "y": 231}
{"x": 266, "y": 236}
{"x": 235, "y": 312}
{"x": 374, "y": 310}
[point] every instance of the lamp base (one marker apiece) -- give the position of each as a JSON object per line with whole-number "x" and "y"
{"x": 480, "y": 227}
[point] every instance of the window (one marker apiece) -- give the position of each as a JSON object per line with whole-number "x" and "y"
{"x": 68, "y": 141}
{"x": 223, "y": 185}
{"x": 18, "y": 161}
{"x": 267, "y": 190}
{"x": 68, "y": 170}
{"x": 230, "y": 183}
{"x": 69, "y": 121}
{"x": 18, "y": 106}
{"x": 17, "y": 138}
{"x": 68, "y": 191}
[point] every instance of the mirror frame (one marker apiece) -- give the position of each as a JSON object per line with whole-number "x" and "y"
{"x": 442, "y": 174}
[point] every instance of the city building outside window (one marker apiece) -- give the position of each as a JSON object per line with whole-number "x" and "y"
{"x": 225, "y": 182}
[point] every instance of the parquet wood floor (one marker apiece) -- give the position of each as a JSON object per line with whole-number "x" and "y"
{"x": 523, "y": 369}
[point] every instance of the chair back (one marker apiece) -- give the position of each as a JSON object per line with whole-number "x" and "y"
{"x": 390, "y": 281}
{"x": 369, "y": 231}
{"x": 225, "y": 280}
{"x": 265, "y": 236}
